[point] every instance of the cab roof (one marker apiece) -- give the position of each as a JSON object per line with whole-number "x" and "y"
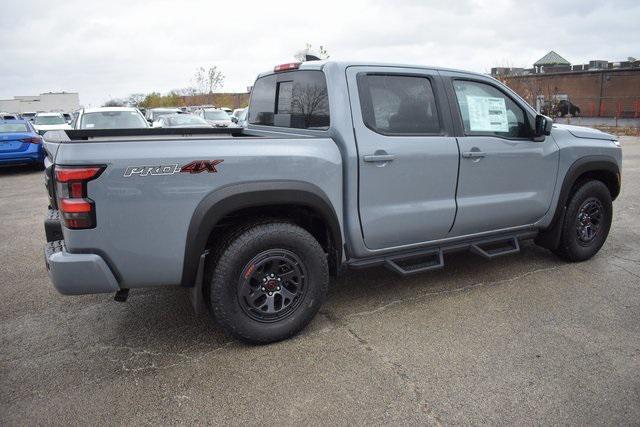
{"x": 319, "y": 65}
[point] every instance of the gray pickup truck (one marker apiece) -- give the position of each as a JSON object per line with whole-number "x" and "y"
{"x": 342, "y": 165}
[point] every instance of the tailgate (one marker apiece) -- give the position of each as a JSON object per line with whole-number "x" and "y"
{"x": 50, "y": 149}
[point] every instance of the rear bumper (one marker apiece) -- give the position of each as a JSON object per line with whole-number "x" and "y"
{"x": 75, "y": 274}
{"x": 33, "y": 154}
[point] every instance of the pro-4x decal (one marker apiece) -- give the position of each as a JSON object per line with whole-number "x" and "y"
{"x": 196, "y": 166}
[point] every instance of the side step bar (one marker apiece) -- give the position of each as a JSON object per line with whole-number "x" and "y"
{"x": 418, "y": 263}
{"x": 433, "y": 258}
{"x": 496, "y": 247}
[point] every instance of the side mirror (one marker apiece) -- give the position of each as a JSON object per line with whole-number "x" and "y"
{"x": 543, "y": 126}
{"x": 234, "y": 119}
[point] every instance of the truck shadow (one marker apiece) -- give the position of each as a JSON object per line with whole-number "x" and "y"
{"x": 19, "y": 170}
{"x": 163, "y": 319}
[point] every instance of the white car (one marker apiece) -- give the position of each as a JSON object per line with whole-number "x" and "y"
{"x": 216, "y": 117}
{"x": 44, "y": 122}
{"x": 110, "y": 118}
{"x": 153, "y": 114}
{"x": 241, "y": 119}
{"x": 181, "y": 121}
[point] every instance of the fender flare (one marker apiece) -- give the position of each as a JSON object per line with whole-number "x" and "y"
{"x": 221, "y": 202}
{"x": 550, "y": 237}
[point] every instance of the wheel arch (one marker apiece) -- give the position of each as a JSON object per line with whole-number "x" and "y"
{"x": 601, "y": 168}
{"x": 222, "y": 203}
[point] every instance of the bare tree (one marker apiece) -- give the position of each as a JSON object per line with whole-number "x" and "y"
{"x": 208, "y": 80}
{"x": 114, "y": 103}
{"x": 310, "y": 101}
{"x": 135, "y": 99}
{"x": 187, "y": 91}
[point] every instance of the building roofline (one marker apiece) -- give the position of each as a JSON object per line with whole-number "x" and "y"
{"x": 572, "y": 72}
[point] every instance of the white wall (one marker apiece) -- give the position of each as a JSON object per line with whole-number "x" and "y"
{"x": 60, "y": 101}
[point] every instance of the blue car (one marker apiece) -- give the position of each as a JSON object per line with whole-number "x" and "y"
{"x": 20, "y": 143}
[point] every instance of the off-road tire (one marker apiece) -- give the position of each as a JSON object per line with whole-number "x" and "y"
{"x": 571, "y": 248}
{"x": 228, "y": 268}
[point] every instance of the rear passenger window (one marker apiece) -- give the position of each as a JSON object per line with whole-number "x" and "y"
{"x": 295, "y": 99}
{"x": 485, "y": 110}
{"x": 398, "y": 105}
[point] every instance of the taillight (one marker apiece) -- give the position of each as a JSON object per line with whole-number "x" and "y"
{"x": 32, "y": 140}
{"x": 78, "y": 211}
{"x": 287, "y": 67}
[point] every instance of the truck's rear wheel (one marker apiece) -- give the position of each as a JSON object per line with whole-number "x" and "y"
{"x": 586, "y": 223}
{"x": 269, "y": 282}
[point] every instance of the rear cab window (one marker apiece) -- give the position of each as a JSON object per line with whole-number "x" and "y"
{"x": 295, "y": 99}
{"x": 398, "y": 104}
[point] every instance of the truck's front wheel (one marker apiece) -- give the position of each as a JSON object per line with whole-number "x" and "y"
{"x": 269, "y": 282}
{"x": 587, "y": 222}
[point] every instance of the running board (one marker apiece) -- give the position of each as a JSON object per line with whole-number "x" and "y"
{"x": 421, "y": 260}
{"x": 496, "y": 247}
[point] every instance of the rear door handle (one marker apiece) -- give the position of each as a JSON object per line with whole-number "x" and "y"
{"x": 474, "y": 154}
{"x": 379, "y": 158}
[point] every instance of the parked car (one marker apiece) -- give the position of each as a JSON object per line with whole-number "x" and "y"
{"x": 44, "y": 122}
{"x": 181, "y": 121}
{"x": 154, "y": 114}
{"x": 20, "y": 143}
{"x": 8, "y": 116}
{"x": 28, "y": 115}
{"x": 215, "y": 117}
{"x": 561, "y": 108}
{"x": 241, "y": 119}
{"x": 567, "y": 107}
{"x": 346, "y": 165}
{"x": 235, "y": 114}
{"x": 110, "y": 118}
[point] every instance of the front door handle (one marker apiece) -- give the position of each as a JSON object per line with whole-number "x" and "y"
{"x": 473, "y": 154}
{"x": 379, "y": 158}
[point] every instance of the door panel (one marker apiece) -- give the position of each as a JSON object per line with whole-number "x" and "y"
{"x": 506, "y": 179}
{"x": 408, "y": 162}
{"x": 511, "y": 185}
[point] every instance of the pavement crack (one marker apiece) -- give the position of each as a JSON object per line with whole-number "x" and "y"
{"x": 626, "y": 259}
{"x": 450, "y": 291}
{"x": 397, "y": 369}
{"x": 139, "y": 360}
{"x": 626, "y": 269}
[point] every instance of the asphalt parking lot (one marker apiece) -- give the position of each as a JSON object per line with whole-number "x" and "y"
{"x": 524, "y": 339}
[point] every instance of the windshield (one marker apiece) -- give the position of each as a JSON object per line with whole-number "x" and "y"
{"x": 49, "y": 120}
{"x": 112, "y": 120}
{"x": 13, "y": 127}
{"x": 159, "y": 113}
{"x": 185, "y": 119}
{"x": 216, "y": 115}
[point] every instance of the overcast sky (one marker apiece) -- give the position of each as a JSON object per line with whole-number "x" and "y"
{"x": 113, "y": 48}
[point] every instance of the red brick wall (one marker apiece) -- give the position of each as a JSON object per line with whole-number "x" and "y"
{"x": 604, "y": 93}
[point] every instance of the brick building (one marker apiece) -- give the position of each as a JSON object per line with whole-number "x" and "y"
{"x": 598, "y": 89}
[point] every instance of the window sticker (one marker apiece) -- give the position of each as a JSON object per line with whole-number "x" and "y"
{"x": 487, "y": 114}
